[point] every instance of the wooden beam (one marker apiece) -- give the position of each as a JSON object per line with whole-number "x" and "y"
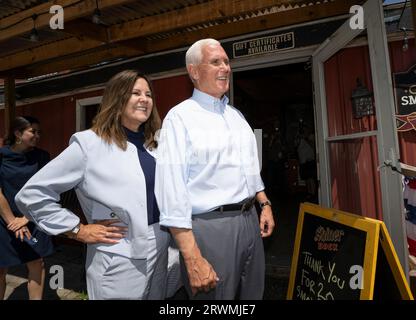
{"x": 272, "y": 21}
{"x": 82, "y": 61}
{"x": 87, "y": 29}
{"x": 188, "y": 16}
{"x": 22, "y": 22}
{"x": 9, "y": 102}
{"x": 266, "y": 22}
{"x": 145, "y": 26}
{"x": 45, "y": 52}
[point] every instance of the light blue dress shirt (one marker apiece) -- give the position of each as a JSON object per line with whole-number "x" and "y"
{"x": 207, "y": 158}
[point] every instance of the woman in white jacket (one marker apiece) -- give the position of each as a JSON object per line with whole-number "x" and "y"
{"x": 112, "y": 168}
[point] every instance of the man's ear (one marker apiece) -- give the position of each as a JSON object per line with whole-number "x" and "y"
{"x": 193, "y": 72}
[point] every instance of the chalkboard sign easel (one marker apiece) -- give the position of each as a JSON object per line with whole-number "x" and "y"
{"x": 342, "y": 256}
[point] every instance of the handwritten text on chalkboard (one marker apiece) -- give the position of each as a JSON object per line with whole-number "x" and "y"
{"x": 324, "y": 274}
{"x": 330, "y": 261}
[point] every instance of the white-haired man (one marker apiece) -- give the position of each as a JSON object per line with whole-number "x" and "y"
{"x": 207, "y": 180}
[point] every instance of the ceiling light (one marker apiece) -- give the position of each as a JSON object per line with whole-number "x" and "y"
{"x": 405, "y": 40}
{"x": 96, "y": 17}
{"x": 34, "y": 34}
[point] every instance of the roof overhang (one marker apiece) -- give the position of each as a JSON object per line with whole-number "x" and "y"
{"x": 134, "y": 28}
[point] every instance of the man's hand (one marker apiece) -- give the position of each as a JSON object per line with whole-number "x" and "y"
{"x": 102, "y": 232}
{"x": 202, "y": 276}
{"x": 17, "y": 223}
{"x": 266, "y": 222}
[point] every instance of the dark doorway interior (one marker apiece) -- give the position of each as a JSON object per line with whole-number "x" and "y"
{"x": 279, "y": 101}
{"x": 90, "y": 112}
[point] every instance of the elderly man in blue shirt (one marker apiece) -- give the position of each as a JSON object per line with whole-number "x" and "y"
{"x": 207, "y": 181}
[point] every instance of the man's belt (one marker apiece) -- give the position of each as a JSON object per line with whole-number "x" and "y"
{"x": 242, "y": 206}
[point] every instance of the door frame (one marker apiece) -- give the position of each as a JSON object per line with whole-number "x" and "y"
{"x": 292, "y": 56}
{"x": 80, "y": 106}
{"x": 387, "y": 140}
{"x": 386, "y": 134}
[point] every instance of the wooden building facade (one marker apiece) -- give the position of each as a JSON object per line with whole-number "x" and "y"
{"x": 353, "y": 152}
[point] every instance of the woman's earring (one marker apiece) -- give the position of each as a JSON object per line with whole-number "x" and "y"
{"x": 18, "y": 140}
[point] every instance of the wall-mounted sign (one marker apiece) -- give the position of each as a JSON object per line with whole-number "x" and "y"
{"x": 405, "y": 90}
{"x": 276, "y": 42}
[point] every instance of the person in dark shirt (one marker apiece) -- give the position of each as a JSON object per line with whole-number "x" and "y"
{"x": 20, "y": 241}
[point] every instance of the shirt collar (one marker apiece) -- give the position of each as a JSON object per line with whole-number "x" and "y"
{"x": 209, "y": 102}
{"x": 134, "y": 135}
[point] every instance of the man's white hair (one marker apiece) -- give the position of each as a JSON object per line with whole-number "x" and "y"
{"x": 194, "y": 53}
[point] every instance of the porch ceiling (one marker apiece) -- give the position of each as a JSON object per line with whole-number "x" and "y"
{"x": 133, "y": 28}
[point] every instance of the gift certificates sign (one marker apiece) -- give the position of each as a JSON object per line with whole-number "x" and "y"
{"x": 264, "y": 45}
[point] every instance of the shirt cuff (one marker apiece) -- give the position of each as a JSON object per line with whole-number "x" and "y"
{"x": 260, "y": 185}
{"x": 182, "y": 223}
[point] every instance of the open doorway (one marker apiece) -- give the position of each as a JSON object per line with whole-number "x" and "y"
{"x": 279, "y": 100}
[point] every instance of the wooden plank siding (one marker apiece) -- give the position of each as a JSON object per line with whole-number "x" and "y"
{"x": 58, "y": 115}
{"x": 355, "y": 179}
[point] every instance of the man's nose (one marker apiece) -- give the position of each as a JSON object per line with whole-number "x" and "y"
{"x": 225, "y": 66}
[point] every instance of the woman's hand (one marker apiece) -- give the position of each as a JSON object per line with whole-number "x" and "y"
{"x": 17, "y": 223}
{"x": 22, "y": 233}
{"x": 102, "y": 232}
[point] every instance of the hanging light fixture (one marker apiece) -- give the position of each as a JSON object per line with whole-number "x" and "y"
{"x": 362, "y": 101}
{"x": 34, "y": 35}
{"x": 96, "y": 17}
{"x": 405, "y": 40}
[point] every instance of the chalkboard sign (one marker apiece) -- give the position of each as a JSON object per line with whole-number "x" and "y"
{"x": 335, "y": 258}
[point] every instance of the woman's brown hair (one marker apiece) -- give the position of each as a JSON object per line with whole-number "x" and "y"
{"x": 117, "y": 92}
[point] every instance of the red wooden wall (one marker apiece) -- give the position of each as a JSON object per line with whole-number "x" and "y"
{"x": 355, "y": 179}
{"x": 355, "y": 184}
{"x": 171, "y": 91}
{"x": 58, "y": 115}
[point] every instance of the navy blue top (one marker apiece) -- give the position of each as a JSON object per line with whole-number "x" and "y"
{"x": 148, "y": 164}
{"x": 16, "y": 169}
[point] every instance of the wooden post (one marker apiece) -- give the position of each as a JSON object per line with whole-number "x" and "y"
{"x": 414, "y": 15}
{"x": 9, "y": 102}
{"x": 387, "y": 140}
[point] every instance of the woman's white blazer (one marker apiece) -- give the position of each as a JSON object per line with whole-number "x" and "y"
{"x": 109, "y": 183}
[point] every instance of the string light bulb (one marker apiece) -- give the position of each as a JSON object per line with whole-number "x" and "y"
{"x": 96, "y": 17}
{"x": 405, "y": 46}
{"x": 34, "y": 34}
